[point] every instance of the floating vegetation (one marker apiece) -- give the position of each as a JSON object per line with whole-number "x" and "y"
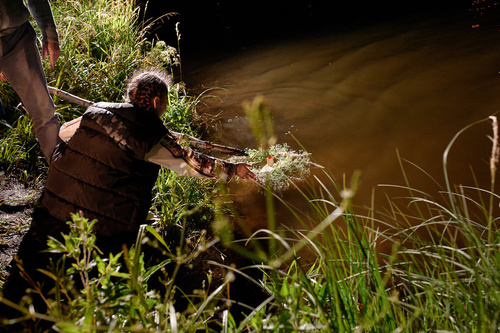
{"x": 277, "y": 166}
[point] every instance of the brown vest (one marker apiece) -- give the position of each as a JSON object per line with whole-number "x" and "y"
{"x": 101, "y": 170}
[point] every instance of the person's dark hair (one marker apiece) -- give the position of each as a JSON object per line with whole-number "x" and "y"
{"x": 146, "y": 84}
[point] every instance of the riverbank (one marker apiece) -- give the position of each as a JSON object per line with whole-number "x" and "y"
{"x": 17, "y": 200}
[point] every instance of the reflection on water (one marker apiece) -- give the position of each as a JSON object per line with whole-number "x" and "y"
{"x": 354, "y": 99}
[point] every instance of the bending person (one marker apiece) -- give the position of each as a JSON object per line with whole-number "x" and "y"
{"x": 104, "y": 172}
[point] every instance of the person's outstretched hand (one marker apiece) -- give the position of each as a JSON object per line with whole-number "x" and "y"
{"x": 51, "y": 48}
{"x": 242, "y": 171}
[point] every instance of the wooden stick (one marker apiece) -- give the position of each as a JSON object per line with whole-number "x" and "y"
{"x": 69, "y": 97}
{"x": 197, "y": 143}
{"x": 207, "y": 145}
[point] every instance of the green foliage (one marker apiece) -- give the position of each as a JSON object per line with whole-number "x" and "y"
{"x": 8, "y": 96}
{"x": 18, "y": 144}
{"x": 181, "y": 111}
{"x": 110, "y": 293}
{"x": 178, "y": 198}
{"x": 102, "y": 43}
{"x": 112, "y": 297}
{"x": 162, "y": 53}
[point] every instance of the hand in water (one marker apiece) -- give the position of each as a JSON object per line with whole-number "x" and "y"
{"x": 243, "y": 172}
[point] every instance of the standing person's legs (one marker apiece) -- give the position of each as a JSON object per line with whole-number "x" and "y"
{"x": 20, "y": 62}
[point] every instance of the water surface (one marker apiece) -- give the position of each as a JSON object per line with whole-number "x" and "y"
{"x": 355, "y": 99}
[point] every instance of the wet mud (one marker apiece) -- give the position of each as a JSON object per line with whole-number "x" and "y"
{"x": 17, "y": 200}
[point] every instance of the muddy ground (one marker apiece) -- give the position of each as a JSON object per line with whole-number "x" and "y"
{"x": 17, "y": 200}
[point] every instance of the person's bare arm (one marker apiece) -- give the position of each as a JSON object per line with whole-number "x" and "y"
{"x": 41, "y": 11}
{"x": 185, "y": 161}
{"x": 53, "y": 50}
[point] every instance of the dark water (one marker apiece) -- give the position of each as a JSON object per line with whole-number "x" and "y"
{"x": 356, "y": 95}
{"x": 228, "y": 25}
